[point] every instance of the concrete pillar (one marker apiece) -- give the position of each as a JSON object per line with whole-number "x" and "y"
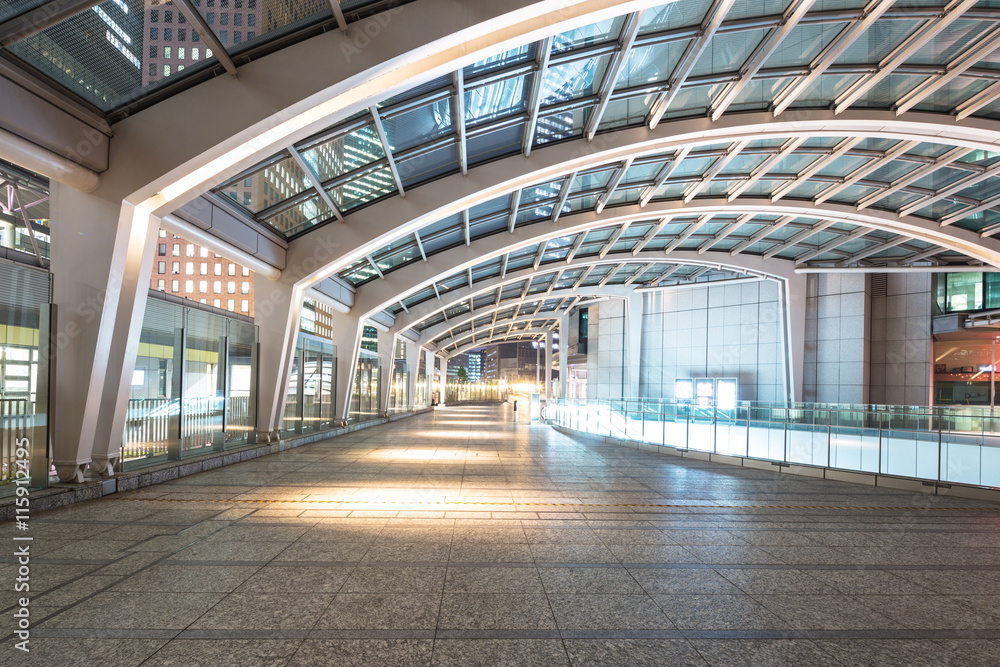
{"x": 277, "y": 308}
{"x": 548, "y": 364}
{"x": 444, "y": 379}
{"x": 429, "y": 367}
{"x": 633, "y": 342}
{"x": 413, "y": 367}
{"x": 563, "y": 355}
{"x": 101, "y": 263}
{"x": 386, "y": 367}
{"x": 793, "y": 301}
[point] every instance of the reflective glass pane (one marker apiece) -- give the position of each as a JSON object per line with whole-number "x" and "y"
{"x": 419, "y": 125}
{"x": 363, "y": 190}
{"x": 112, "y": 53}
{"x": 495, "y": 100}
{"x": 595, "y": 33}
{"x": 301, "y": 216}
{"x": 345, "y": 153}
{"x": 573, "y": 79}
{"x": 203, "y": 403}
{"x": 674, "y": 15}
{"x": 242, "y": 25}
{"x": 269, "y": 186}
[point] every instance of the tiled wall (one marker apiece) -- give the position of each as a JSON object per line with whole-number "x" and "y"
{"x": 716, "y": 331}
{"x": 836, "y": 356}
{"x": 901, "y": 341}
{"x": 606, "y": 361}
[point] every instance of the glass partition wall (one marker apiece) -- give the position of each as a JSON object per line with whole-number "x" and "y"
{"x": 193, "y": 387}
{"x": 25, "y": 316}
{"x": 310, "y": 403}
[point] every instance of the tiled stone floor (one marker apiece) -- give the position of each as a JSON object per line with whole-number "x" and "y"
{"x": 235, "y": 566}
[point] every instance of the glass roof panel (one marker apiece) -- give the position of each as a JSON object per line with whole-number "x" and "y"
{"x": 11, "y": 8}
{"x": 674, "y": 15}
{"x": 242, "y": 24}
{"x": 486, "y": 146}
{"x": 495, "y": 205}
{"x": 591, "y": 180}
{"x": 624, "y": 112}
{"x": 300, "y": 217}
{"x": 563, "y": 125}
{"x": 430, "y": 165}
{"x": 501, "y": 60}
{"x": 947, "y": 97}
{"x": 744, "y": 8}
{"x": 876, "y": 42}
{"x": 418, "y": 126}
{"x": 646, "y": 64}
{"x": 949, "y": 43}
{"x": 727, "y": 51}
{"x": 578, "y": 78}
{"x": 496, "y": 100}
{"x": 114, "y": 52}
{"x": 692, "y": 101}
{"x": 345, "y": 153}
{"x": 596, "y": 33}
{"x": 362, "y": 190}
{"x": 802, "y": 44}
{"x": 269, "y": 186}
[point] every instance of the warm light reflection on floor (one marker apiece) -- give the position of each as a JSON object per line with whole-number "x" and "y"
{"x": 429, "y": 454}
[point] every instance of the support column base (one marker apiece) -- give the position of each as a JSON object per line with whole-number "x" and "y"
{"x": 104, "y": 467}
{"x": 264, "y": 437}
{"x": 71, "y": 473}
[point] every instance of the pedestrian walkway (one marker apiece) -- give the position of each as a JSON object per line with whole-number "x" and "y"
{"x": 461, "y": 538}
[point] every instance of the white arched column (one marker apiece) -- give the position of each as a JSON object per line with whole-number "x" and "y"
{"x": 387, "y": 367}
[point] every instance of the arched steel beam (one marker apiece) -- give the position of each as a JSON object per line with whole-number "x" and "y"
{"x": 544, "y": 323}
{"x": 739, "y": 264}
{"x": 531, "y": 334}
{"x": 428, "y": 337}
{"x": 409, "y": 279}
{"x": 333, "y": 247}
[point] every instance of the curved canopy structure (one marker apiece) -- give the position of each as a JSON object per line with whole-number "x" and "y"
{"x": 476, "y": 178}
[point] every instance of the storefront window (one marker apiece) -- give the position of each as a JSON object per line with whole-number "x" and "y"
{"x": 964, "y": 372}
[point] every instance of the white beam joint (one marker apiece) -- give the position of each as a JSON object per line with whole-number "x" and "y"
{"x": 629, "y": 32}
{"x": 388, "y": 150}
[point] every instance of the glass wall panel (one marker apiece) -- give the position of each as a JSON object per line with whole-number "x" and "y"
{"x": 204, "y": 387}
{"x": 24, "y": 307}
{"x": 964, "y": 372}
{"x": 365, "y": 397}
{"x": 309, "y": 406}
{"x": 194, "y": 388}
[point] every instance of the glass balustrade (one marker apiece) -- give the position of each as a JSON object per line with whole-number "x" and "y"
{"x": 948, "y": 445}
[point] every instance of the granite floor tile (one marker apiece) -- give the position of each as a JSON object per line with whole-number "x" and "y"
{"x": 401, "y": 579}
{"x": 362, "y": 653}
{"x": 135, "y": 610}
{"x": 493, "y": 580}
{"x": 891, "y": 652}
{"x": 296, "y": 579}
{"x": 224, "y": 653}
{"x": 629, "y": 652}
{"x": 589, "y": 580}
{"x": 683, "y": 581}
{"x": 186, "y": 579}
{"x": 756, "y": 652}
{"x": 381, "y": 611}
{"x": 718, "y": 612}
{"x": 496, "y": 611}
{"x": 499, "y": 653}
{"x": 84, "y": 652}
{"x": 826, "y": 612}
{"x": 264, "y": 611}
{"x": 608, "y": 612}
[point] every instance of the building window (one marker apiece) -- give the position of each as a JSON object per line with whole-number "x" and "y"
{"x": 246, "y": 271}
{"x": 168, "y": 52}
{"x": 251, "y": 20}
{"x": 189, "y": 250}
{"x": 250, "y": 35}
{"x": 195, "y": 53}
{"x": 224, "y": 36}
{"x": 153, "y": 50}
{"x": 182, "y": 35}
{"x": 237, "y": 37}
{"x": 154, "y": 33}
{"x": 204, "y": 252}
{"x": 232, "y": 269}
{"x": 231, "y": 287}
{"x": 194, "y": 36}
{"x": 189, "y": 268}
{"x": 204, "y": 268}
{"x": 217, "y": 303}
{"x": 168, "y": 35}
{"x": 175, "y": 286}
{"x": 162, "y": 250}
{"x": 180, "y": 52}
{"x": 224, "y": 19}
{"x": 152, "y": 69}
{"x": 161, "y": 267}
{"x": 245, "y": 287}
{"x": 175, "y": 268}
{"x": 154, "y": 16}
{"x": 217, "y": 287}
{"x": 230, "y": 305}
{"x": 218, "y": 269}
{"x": 161, "y": 285}
{"x": 245, "y": 306}
{"x": 188, "y": 286}
{"x": 166, "y": 70}
{"x": 176, "y": 250}
{"x": 168, "y": 17}
{"x": 163, "y": 233}
{"x": 211, "y": 18}
{"x": 203, "y": 286}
